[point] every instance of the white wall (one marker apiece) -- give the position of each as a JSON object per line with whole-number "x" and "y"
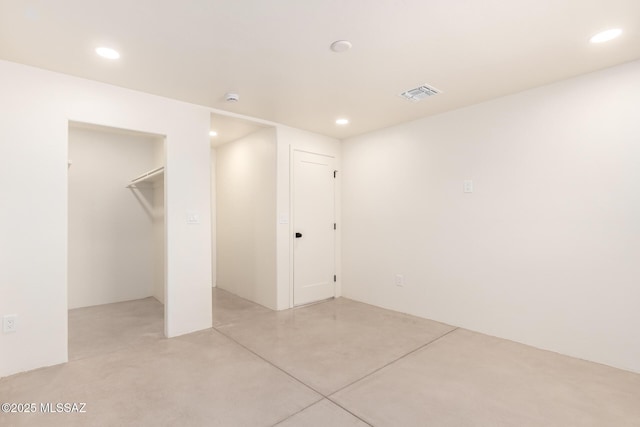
{"x": 36, "y": 107}
{"x": 246, "y": 217}
{"x": 290, "y": 139}
{"x": 111, "y": 228}
{"x": 159, "y": 248}
{"x": 546, "y": 249}
{"x": 214, "y": 250}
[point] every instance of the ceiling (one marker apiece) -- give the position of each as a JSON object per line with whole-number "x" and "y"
{"x": 275, "y": 54}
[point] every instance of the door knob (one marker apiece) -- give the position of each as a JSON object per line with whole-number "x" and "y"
{"x": 298, "y": 235}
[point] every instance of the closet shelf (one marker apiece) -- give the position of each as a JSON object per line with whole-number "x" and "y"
{"x": 150, "y": 177}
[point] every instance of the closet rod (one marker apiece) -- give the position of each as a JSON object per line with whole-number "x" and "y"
{"x": 146, "y": 176}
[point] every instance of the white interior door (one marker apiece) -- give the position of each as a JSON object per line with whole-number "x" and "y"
{"x": 313, "y": 227}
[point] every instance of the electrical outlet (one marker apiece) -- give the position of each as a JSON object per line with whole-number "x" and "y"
{"x": 193, "y": 217}
{"x": 467, "y": 186}
{"x": 399, "y": 280}
{"x": 9, "y": 323}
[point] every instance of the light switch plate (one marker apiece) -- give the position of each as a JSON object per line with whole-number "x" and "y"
{"x": 193, "y": 217}
{"x": 468, "y": 186}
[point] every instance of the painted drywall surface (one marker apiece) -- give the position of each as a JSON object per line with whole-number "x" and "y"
{"x": 246, "y": 217}
{"x": 159, "y": 248}
{"x": 159, "y": 226}
{"x": 111, "y": 230}
{"x": 38, "y": 105}
{"x": 294, "y": 139}
{"x": 214, "y": 252}
{"x": 544, "y": 251}
{"x": 33, "y": 219}
{"x": 187, "y": 182}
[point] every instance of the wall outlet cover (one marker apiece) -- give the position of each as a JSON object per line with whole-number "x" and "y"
{"x": 399, "y": 280}
{"x": 9, "y": 323}
{"x": 193, "y": 217}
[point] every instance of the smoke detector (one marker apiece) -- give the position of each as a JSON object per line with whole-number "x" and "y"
{"x": 340, "y": 46}
{"x": 419, "y": 93}
{"x": 231, "y": 97}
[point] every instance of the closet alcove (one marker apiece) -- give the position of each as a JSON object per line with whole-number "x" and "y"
{"x": 116, "y": 238}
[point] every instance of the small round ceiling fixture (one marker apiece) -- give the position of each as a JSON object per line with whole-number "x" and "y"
{"x": 231, "y": 97}
{"x": 107, "y": 52}
{"x": 213, "y": 133}
{"x": 340, "y": 46}
{"x": 605, "y": 36}
{"x": 342, "y": 121}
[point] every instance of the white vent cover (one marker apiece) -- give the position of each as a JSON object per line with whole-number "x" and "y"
{"x": 420, "y": 93}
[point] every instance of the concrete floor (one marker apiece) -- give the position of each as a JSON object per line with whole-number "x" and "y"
{"x": 336, "y": 363}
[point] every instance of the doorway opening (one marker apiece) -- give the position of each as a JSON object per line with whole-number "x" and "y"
{"x": 244, "y": 166}
{"x": 268, "y": 184}
{"x": 116, "y": 238}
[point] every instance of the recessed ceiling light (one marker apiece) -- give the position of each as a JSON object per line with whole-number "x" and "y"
{"x": 340, "y": 46}
{"x": 342, "y": 122}
{"x": 107, "y": 52}
{"x": 213, "y": 133}
{"x": 605, "y": 36}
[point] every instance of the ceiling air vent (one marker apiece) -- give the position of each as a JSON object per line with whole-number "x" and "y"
{"x": 420, "y": 93}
